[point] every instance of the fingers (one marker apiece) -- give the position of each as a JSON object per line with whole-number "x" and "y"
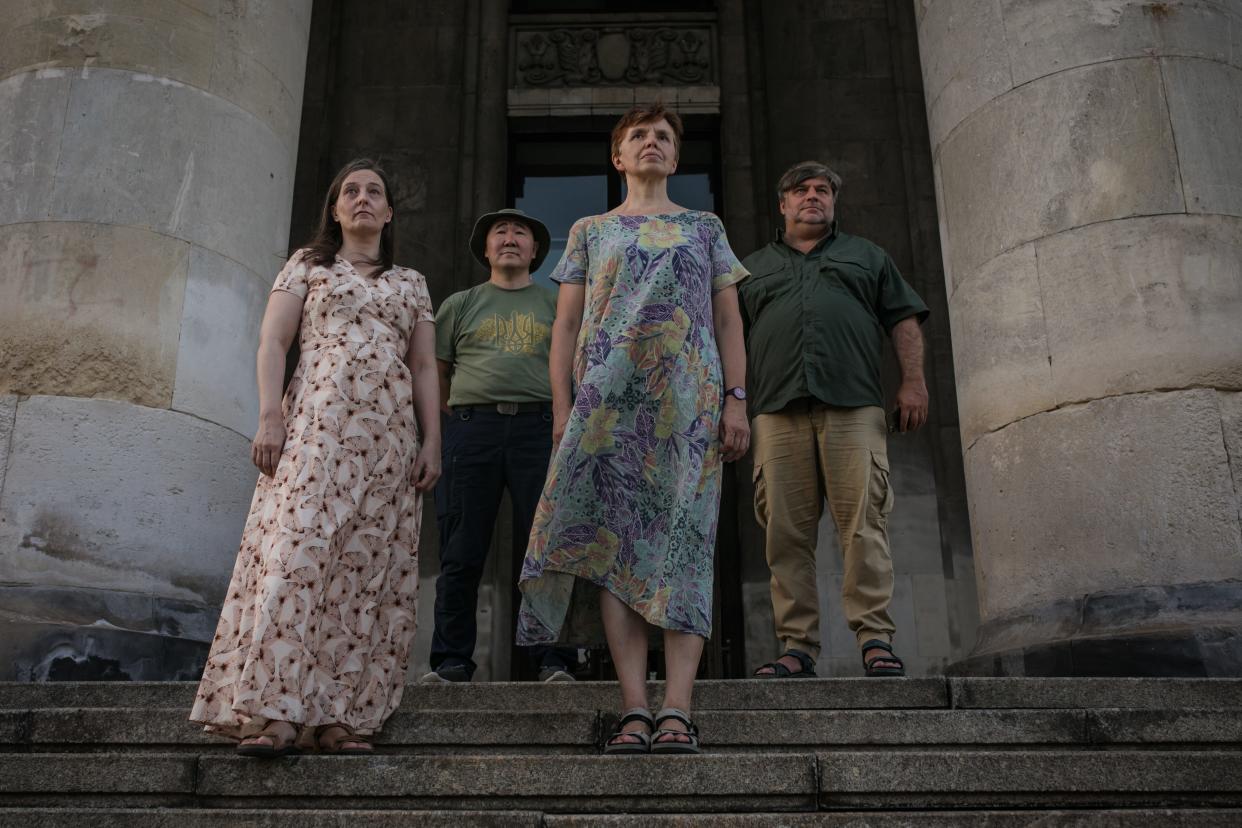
{"x": 734, "y": 442}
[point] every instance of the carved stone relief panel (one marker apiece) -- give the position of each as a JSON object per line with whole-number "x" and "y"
{"x": 613, "y": 51}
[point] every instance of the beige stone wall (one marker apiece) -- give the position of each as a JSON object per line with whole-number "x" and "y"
{"x": 148, "y": 152}
{"x": 1091, "y": 220}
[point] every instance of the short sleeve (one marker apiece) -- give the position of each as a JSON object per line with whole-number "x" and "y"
{"x": 293, "y": 276}
{"x": 898, "y": 300}
{"x": 572, "y": 268}
{"x": 446, "y": 333}
{"x": 422, "y": 299}
{"x": 726, "y": 268}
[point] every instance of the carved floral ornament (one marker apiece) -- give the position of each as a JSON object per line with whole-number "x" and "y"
{"x": 614, "y": 56}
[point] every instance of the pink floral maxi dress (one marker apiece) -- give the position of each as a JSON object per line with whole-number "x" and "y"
{"x": 318, "y": 620}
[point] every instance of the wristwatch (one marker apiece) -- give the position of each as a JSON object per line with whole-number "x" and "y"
{"x": 737, "y": 392}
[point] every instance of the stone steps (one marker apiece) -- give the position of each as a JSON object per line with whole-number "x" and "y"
{"x": 908, "y": 752}
{"x": 846, "y": 779}
{"x": 456, "y": 731}
{"x": 289, "y": 818}
{"x": 802, "y": 694}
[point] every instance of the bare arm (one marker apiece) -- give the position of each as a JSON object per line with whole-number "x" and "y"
{"x": 445, "y": 370}
{"x": 727, "y": 320}
{"x": 280, "y": 325}
{"x": 911, "y": 400}
{"x": 570, "y": 300}
{"x": 421, "y": 359}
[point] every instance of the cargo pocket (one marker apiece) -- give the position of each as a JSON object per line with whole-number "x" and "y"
{"x": 761, "y": 497}
{"x": 880, "y": 493}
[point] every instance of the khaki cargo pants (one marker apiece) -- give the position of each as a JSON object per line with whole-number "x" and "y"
{"x": 804, "y": 454}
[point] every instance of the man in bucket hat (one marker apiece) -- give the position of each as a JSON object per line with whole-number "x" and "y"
{"x": 492, "y": 351}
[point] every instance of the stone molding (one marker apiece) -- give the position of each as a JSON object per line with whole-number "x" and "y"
{"x": 612, "y": 50}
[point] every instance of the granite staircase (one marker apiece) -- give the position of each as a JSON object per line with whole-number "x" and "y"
{"x": 830, "y": 752}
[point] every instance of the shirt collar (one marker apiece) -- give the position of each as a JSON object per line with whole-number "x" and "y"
{"x": 823, "y": 243}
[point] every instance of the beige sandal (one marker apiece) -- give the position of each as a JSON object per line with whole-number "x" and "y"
{"x": 333, "y": 745}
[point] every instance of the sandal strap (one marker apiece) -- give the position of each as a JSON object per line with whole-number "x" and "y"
{"x": 876, "y": 644}
{"x": 677, "y": 714}
{"x": 636, "y": 714}
{"x": 335, "y": 744}
{"x": 778, "y": 670}
{"x": 806, "y": 664}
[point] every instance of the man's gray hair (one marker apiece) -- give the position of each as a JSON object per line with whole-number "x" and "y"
{"x": 803, "y": 171}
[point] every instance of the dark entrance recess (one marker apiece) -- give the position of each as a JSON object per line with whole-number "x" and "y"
{"x": 559, "y": 171}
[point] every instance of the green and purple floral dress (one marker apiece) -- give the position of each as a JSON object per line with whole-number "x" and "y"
{"x": 632, "y": 496}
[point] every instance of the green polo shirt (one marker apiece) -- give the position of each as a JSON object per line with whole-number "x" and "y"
{"x": 815, "y": 323}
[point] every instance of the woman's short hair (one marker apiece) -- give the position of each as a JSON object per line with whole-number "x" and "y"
{"x": 803, "y": 171}
{"x": 645, "y": 114}
{"x": 327, "y": 240}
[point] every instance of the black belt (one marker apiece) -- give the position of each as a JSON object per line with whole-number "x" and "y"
{"x": 509, "y": 408}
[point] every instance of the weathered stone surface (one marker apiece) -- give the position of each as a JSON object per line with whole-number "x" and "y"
{"x": 1000, "y": 344}
{"x": 1178, "y": 526}
{"x": 8, "y": 413}
{"x": 34, "y": 105}
{"x": 90, "y": 310}
{"x": 583, "y": 696}
{"x": 122, "y": 497}
{"x": 754, "y": 775}
{"x": 224, "y": 306}
{"x": 1205, "y": 104}
{"x": 1053, "y": 773}
{"x": 1164, "y": 726}
{"x": 153, "y": 694}
{"x": 1039, "y": 818}
{"x": 212, "y": 174}
{"x": 1231, "y": 426}
{"x": 1155, "y": 693}
{"x": 443, "y": 730}
{"x": 270, "y": 818}
{"x": 757, "y": 728}
{"x": 83, "y": 633}
{"x": 1047, "y": 36}
{"x": 254, "y": 57}
{"x": 962, "y": 46}
{"x": 85, "y": 773}
{"x": 1141, "y": 304}
{"x": 1078, "y": 147}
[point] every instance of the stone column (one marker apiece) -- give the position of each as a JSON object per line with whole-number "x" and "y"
{"x": 1090, "y": 199}
{"x": 146, "y": 158}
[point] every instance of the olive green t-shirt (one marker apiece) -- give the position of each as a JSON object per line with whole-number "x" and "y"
{"x": 497, "y": 342}
{"x": 815, "y": 323}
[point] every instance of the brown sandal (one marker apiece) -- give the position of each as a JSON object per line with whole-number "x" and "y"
{"x": 279, "y": 746}
{"x": 334, "y": 745}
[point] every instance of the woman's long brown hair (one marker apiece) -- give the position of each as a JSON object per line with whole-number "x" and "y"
{"x": 323, "y": 246}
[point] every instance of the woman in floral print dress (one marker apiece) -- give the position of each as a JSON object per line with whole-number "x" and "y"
{"x": 315, "y": 631}
{"x": 647, "y": 322}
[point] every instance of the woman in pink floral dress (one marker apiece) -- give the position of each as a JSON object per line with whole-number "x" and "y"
{"x": 315, "y": 631}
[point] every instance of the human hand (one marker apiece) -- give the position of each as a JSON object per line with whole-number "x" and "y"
{"x": 734, "y": 430}
{"x": 426, "y": 469}
{"x": 267, "y": 444}
{"x": 911, "y": 405}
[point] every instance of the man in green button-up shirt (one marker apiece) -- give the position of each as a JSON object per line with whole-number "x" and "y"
{"x": 816, "y": 307}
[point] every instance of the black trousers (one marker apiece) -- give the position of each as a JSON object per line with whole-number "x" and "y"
{"x": 484, "y": 453}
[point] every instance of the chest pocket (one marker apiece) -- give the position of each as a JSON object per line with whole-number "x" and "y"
{"x": 852, "y": 277}
{"x": 765, "y": 283}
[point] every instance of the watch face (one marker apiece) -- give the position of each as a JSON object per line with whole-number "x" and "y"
{"x": 737, "y": 393}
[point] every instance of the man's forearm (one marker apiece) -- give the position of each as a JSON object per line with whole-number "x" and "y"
{"x": 908, "y": 345}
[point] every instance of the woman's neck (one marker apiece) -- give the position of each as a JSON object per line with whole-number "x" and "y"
{"x": 645, "y": 197}
{"x": 360, "y": 250}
